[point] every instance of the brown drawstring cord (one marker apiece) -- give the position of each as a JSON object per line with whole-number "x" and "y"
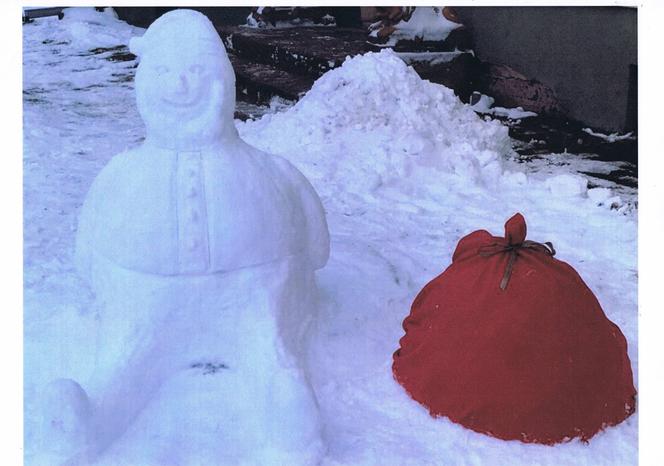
{"x": 513, "y": 250}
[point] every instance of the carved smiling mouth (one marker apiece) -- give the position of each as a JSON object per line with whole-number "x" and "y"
{"x": 182, "y": 103}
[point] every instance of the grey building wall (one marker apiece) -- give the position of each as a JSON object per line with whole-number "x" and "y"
{"x": 583, "y": 53}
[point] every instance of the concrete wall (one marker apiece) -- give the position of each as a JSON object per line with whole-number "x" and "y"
{"x": 583, "y": 53}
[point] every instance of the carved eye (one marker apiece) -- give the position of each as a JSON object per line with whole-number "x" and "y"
{"x": 196, "y": 69}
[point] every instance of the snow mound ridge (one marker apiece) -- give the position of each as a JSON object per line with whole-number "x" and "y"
{"x": 88, "y": 29}
{"x": 387, "y": 121}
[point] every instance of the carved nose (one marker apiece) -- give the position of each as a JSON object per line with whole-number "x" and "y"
{"x": 182, "y": 85}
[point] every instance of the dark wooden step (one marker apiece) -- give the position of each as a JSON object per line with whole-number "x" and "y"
{"x": 258, "y": 82}
{"x": 309, "y": 51}
{"x": 312, "y": 51}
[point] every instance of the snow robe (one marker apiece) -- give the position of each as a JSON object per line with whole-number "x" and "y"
{"x": 171, "y": 212}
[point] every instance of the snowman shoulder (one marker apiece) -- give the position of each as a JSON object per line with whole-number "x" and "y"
{"x": 113, "y": 172}
{"x": 93, "y": 205}
{"x": 318, "y": 237}
{"x": 296, "y": 179}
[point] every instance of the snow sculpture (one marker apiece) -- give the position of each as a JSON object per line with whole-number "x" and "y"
{"x": 201, "y": 251}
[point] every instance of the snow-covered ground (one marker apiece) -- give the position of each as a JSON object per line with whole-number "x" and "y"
{"x": 613, "y": 137}
{"x": 485, "y": 106}
{"x": 403, "y": 169}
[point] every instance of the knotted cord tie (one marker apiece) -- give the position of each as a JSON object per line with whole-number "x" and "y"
{"x": 513, "y": 250}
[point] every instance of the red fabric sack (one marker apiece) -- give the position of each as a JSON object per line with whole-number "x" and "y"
{"x": 510, "y": 342}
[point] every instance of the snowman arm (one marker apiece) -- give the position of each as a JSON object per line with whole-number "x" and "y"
{"x": 317, "y": 233}
{"x": 318, "y": 236}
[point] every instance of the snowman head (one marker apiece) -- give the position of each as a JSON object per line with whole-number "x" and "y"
{"x": 185, "y": 84}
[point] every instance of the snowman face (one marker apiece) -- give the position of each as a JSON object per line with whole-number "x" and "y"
{"x": 174, "y": 86}
{"x": 182, "y": 84}
{"x": 185, "y": 84}
{"x": 185, "y": 93}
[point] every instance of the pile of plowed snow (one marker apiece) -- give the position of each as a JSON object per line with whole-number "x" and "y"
{"x": 385, "y": 122}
